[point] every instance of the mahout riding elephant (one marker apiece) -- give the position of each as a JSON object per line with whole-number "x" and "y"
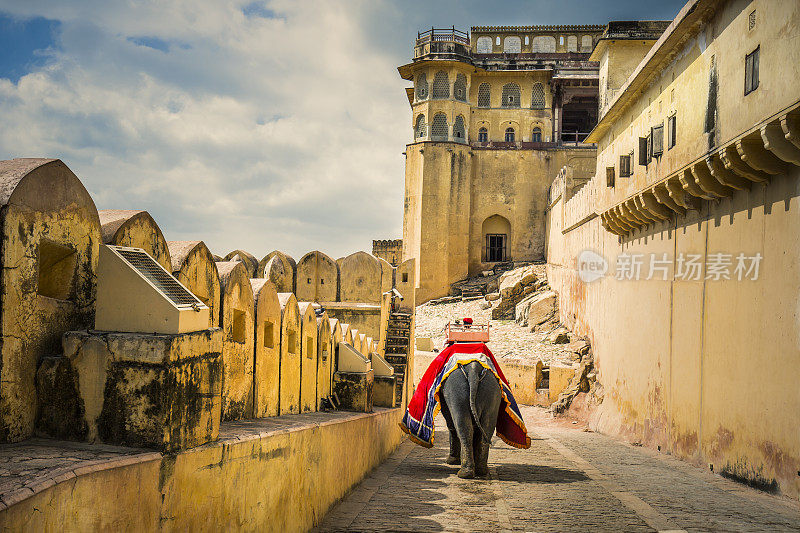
{"x": 470, "y": 401}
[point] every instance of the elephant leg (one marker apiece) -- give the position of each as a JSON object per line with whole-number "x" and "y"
{"x": 455, "y": 445}
{"x": 489, "y": 394}
{"x": 481, "y": 457}
{"x": 466, "y": 435}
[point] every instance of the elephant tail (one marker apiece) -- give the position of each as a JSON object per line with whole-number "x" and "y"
{"x": 474, "y": 381}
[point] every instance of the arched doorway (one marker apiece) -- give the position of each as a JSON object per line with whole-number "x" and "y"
{"x": 496, "y": 232}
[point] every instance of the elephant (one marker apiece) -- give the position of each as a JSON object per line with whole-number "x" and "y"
{"x": 470, "y": 402}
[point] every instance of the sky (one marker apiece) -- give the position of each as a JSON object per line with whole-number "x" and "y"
{"x": 277, "y": 124}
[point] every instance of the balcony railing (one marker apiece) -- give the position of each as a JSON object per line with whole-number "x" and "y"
{"x": 573, "y": 137}
{"x": 443, "y": 35}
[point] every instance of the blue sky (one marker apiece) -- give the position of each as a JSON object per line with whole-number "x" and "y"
{"x": 255, "y": 125}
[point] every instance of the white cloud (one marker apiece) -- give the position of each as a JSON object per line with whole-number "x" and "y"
{"x": 247, "y": 132}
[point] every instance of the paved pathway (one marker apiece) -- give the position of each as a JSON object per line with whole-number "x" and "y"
{"x": 569, "y": 480}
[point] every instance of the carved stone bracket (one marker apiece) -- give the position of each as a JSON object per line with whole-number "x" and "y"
{"x": 769, "y": 150}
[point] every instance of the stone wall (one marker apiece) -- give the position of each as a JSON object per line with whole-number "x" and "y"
{"x": 49, "y": 253}
{"x": 238, "y": 338}
{"x": 259, "y": 354}
{"x": 701, "y": 364}
{"x": 282, "y": 474}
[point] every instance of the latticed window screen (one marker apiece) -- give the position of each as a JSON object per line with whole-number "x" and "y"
{"x": 439, "y": 127}
{"x": 510, "y": 135}
{"x": 586, "y": 43}
{"x": 536, "y": 136}
{"x": 422, "y": 87}
{"x": 537, "y": 96}
{"x": 510, "y": 95}
{"x": 460, "y": 88}
{"x": 483, "y": 135}
{"x": 459, "y": 132}
{"x": 441, "y": 85}
{"x": 419, "y": 129}
{"x": 484, "y": 95}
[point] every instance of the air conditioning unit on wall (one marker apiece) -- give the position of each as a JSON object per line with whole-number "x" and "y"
{"x": 136, "y": 294}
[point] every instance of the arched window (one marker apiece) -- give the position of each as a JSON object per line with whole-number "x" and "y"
{"x": 439, "y": 127}
{"x": 586, "y": 43}
{"x": 497, "y": 40}
{"x": 484, "y": 45}
{"x": 544, "y": 43}
{"x": 510, "y": 137}
{"x": 510, "y": 95}
{"x": 484, "y": 95}
{"x": 460, "y": 88}
{"x": 536, "y": 136}
{"x": 459, "y": 134}
{"x": 512, "y": 45}
{"x": 537, "y": 96}
{"x": 441, "y": 85}
{"x": 422, "y": 86}
{"x": 419, "y": 129}
{"x": 572, "y": 43}
{"x": 483, "y": 135}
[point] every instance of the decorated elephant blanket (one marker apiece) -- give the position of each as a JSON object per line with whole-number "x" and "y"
{"x": 425, "y": 403}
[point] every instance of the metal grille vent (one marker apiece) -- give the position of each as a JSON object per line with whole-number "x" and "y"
{"x": 155, "y": 273}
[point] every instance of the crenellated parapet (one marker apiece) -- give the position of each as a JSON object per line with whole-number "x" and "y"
{"x": 113, "y": 334}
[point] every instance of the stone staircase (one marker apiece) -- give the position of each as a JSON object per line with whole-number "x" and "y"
{"x": 398, "y": 341}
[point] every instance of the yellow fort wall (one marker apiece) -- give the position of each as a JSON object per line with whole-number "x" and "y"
{"x": 308, "y": 357}
{"x": 451, "y": 190}
{"x": 290, "y": 354}
{"x": 280, "y": 474}
{"x": 704, "y": 368}
{"x": 135, "y": 229}
{"x": 236, "y": 321}
{"x": 267, "y": 349}
{"x": 50, "y": 242}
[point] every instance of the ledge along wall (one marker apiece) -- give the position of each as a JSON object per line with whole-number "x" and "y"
{"x": 281, "y": 474}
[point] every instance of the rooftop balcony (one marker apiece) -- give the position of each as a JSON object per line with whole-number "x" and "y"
{"x": 442, "y": 43}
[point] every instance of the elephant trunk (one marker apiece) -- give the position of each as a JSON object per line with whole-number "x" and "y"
{"x": 474, "y": 381}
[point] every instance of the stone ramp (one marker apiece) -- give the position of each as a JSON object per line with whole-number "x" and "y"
{"x": 569, "y": 480}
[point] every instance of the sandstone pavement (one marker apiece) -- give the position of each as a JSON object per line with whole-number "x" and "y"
{"x": 569, "y": 480}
